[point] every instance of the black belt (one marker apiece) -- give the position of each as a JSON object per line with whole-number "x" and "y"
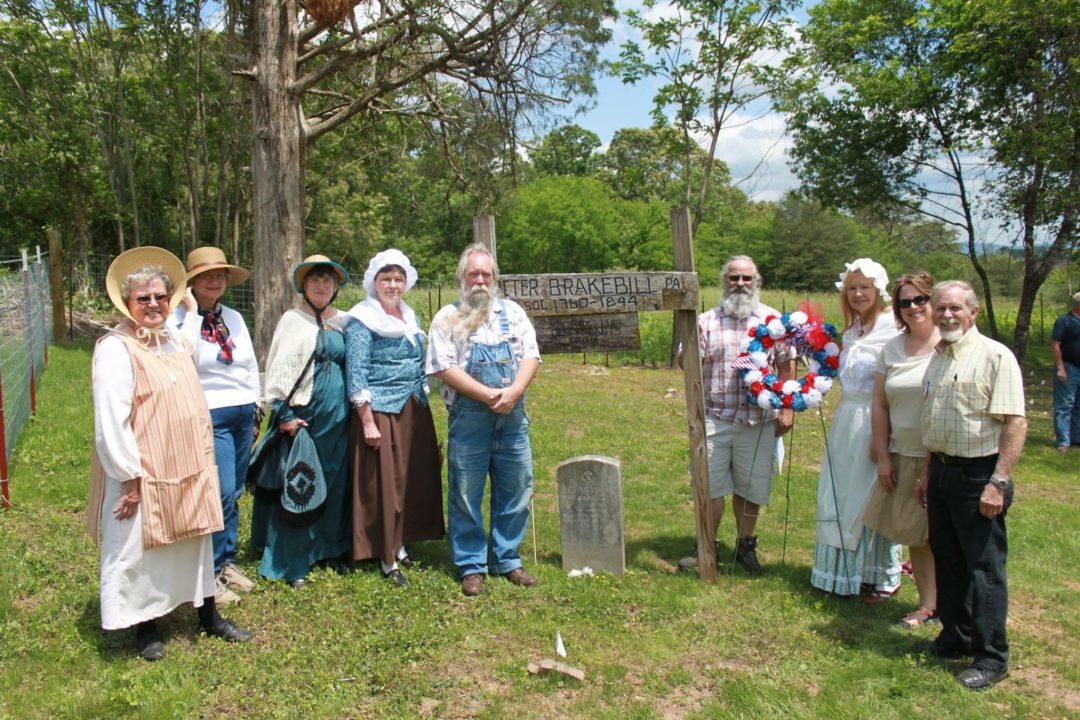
{"x": 957, "y": 460}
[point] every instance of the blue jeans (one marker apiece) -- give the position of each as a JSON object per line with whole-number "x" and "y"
{"x": 482, "y": 443}
{"x": 1067, "y": 407}
{"x": 232, "y": 450}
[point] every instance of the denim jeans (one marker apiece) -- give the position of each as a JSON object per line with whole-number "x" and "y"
{"x": 970, "y": 551}
{"x": 232, "y": 450}
{"x": 1067, "y": 407}
{"x": 482, "y": 443}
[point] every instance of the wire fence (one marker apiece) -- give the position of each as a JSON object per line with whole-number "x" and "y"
{"x": 25, "y": 334}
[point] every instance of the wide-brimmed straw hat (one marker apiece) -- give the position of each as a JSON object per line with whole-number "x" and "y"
{"x": 136, "y": 259}
{"x": 205, "y": 259}
{"x": 310, "y": 263}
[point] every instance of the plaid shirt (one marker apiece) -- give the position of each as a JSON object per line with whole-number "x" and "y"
{"x": 720, "y": 340}
{"x": 970, "y": 386}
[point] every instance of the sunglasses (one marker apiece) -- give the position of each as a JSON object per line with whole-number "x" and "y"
{"x": 919, "y": 300}
{"x": 145, "y": 299}
{"x": 737, "y": 278}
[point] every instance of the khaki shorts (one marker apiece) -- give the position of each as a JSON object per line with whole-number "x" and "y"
{"x": 742, "y": 459}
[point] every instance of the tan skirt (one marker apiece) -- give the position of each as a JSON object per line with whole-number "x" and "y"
{"x": 397, "y": 489}
{"x": 897, "y": 515}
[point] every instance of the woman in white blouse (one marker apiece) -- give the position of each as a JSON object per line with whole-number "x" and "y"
{"x": 153, "y": 498}
{"x": 229, "y": 375}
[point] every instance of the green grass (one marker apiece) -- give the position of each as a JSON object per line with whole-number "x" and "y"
{"x": 653, "y": 643}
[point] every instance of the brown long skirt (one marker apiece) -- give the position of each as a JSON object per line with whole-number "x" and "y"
{"x": 397, "y": 489}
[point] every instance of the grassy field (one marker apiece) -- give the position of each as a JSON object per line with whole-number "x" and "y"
{"x": 653, "y": 643}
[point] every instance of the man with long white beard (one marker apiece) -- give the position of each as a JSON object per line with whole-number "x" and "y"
{"x": 740, "y": 436}
{"x": 484, "y": 350}
{"x": 974, "y": 427}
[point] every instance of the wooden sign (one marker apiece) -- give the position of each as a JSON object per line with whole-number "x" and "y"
{"x": 593, "y": 333}
{"x": 594, "y": 293}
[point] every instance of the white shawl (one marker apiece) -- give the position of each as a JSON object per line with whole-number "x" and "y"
{"x": 371, "y": 313}
{"x": 293, "y": 343}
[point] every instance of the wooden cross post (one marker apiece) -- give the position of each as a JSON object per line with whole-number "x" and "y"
{"x": 695, "y": 403}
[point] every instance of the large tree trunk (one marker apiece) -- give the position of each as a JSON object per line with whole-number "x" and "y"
{"x": 277, "y": 166}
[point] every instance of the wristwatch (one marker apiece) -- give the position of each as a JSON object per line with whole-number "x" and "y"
{"x": 1001, "y": 484}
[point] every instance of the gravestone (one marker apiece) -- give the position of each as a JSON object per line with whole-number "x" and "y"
{"x": 591, "y": 514}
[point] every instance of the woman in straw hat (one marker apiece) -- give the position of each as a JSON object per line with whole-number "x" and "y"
{"x": 229, "y": 374}
{"x": 154, "y": 488}
{"x": 305, "y": 387}
{"x": 396, "y": 472}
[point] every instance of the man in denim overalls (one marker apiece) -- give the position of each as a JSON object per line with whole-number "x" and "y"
{"x": 484, "y": 350}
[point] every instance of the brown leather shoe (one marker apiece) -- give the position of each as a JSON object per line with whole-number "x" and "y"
{"x": 518, "y": 576}
{"x": 471, "y": 585}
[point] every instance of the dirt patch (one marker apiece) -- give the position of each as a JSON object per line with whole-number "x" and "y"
{"x": 1048, "y": 683}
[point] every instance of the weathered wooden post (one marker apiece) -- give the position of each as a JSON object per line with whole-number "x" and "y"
{"x": 56, "y": 283}
{"x": 695, "y": 402}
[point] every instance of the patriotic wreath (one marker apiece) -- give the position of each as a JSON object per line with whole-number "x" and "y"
{"x": 813, "y": 340}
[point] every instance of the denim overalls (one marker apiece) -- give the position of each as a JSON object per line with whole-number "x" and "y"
{"x": 483, "y": 442}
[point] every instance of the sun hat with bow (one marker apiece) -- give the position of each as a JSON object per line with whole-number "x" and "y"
{"x": 136, "y": 259}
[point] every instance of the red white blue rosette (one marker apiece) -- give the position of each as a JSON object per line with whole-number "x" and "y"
{"x": 814, "y": 341}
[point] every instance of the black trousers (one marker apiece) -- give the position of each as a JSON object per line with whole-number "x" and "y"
{"x": 969, "y": 557}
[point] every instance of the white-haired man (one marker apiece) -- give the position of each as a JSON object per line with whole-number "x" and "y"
{"x": 484, "y": 350}
{"x": 740, "y": 436}
{"x": 974, "y": 427}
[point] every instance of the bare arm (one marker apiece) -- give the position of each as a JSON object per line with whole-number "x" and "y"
{"x": 1059, "y": 361}
{"x": 1010, "y": 446}
{"x": 881, "y": 428}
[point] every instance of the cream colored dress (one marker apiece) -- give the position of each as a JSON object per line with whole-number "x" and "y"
{"x": 140, "y": 583}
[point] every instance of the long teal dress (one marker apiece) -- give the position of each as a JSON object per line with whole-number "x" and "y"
{"x": 289, "y": 553}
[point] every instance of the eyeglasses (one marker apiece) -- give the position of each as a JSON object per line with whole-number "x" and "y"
{"x": 919, "y": 300}
{"x": 159, "y": 299}
{"x": 737, "y": 278}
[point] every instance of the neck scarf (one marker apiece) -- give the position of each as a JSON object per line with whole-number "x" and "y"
{"x": 214, "y": 330}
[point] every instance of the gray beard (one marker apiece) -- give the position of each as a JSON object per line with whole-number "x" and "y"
{"x": 475, "y": 307}
{"x": 739, "y": 305}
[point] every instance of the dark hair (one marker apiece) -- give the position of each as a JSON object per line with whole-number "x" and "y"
{"x": 921, "y": 281}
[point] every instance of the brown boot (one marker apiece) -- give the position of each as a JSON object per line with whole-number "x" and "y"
{"x": 746, "y": 555}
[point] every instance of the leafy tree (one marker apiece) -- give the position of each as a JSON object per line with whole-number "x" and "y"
{"x": 569, "y": 150}
{"x": 313, "y": 71}
{"x": 645, "y": 164}
{"x": 810, "y": 245}
{"x": 715, "y": 58}
{"x": 909, "y": 103}
{"x": 559, "y": 224}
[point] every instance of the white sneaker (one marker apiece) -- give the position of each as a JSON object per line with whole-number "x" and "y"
{"x": 231, "y": 576}
{"x": 224, "y": 596}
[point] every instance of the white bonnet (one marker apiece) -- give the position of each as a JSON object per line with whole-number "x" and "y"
{"x": 872, "y": 270}
{"x": 393, "y": 256}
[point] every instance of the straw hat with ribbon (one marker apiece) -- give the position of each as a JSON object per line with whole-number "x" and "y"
{"x": 310, "y": 263}
{"x": 136, "y": 259}
{"x": 205, "y": 259}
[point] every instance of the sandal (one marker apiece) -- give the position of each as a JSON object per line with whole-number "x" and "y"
{"x": 876, "y": 597}
{"x": 917, "y": 618}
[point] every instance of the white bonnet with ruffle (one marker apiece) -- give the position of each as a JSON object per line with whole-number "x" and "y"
{"x": 873, "y": 271}
{"x": 393, "y": 256}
